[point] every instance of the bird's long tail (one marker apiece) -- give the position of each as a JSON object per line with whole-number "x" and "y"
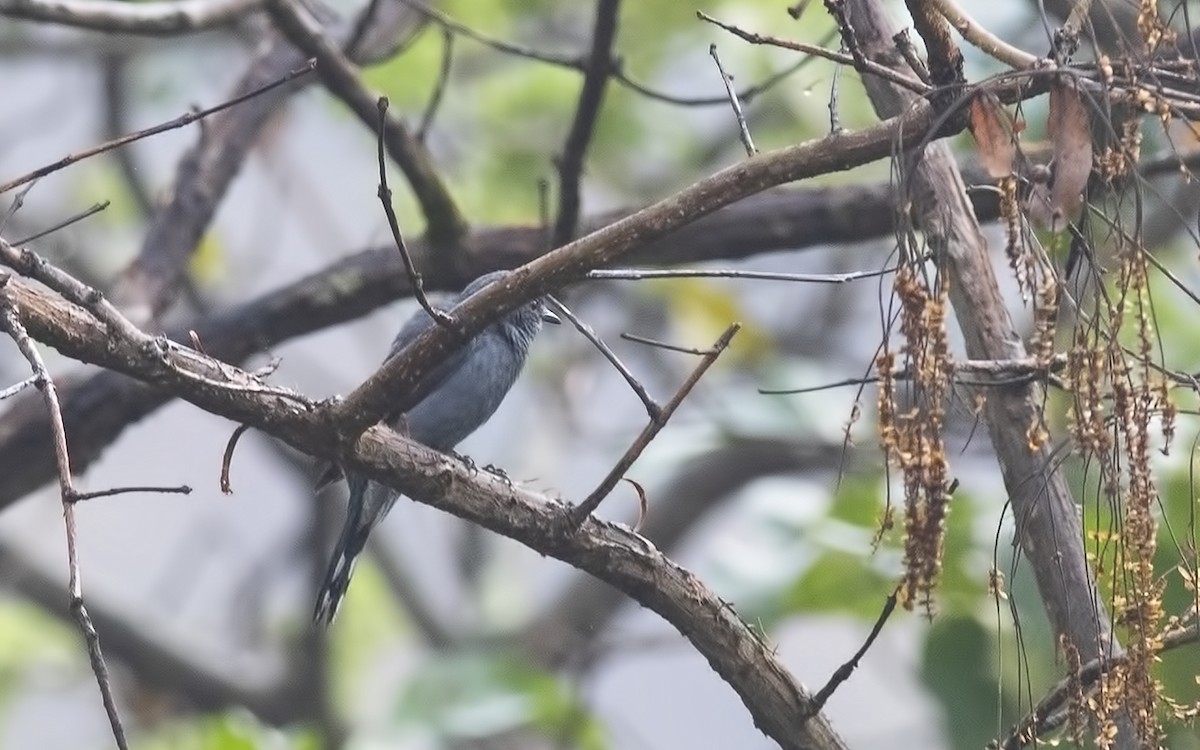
{"x": 341, "y": 565}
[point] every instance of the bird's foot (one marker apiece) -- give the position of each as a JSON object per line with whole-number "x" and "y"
{"x": 466, "y": 461}
{"x": 499, "y": 473}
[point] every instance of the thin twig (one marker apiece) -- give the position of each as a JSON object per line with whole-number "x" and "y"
{"x": 11, "y": 324}
{"x": 580, "y": 512}
{"x": 837, "y": 9}
{"x": 178, "y": 122}
{"x": 227, "y": 457}
{"x": 16, "y": 205}
{"x": 653, "y": 410}
{"x": 866, "y": 66}
{"x": 748, "y": 95}
{"x": 643, "y": 504}
{"x": 908, "y": 51}
{"x": 92, "y": 211}
{"x": 984, "y": 40}
{"x": 116, "y": 85}
{"x": 842, "y": 673}
{"x": 385, "y": 197}
{"x": 579, "y": 65}
{"x": 79, "y": 497}
{"x": 28, "y": 263}
{"x": 617, "y": 73}
{"x": 446, "y": 225}
{"x": 439, "y": 87}
{"x": 591, "y": 96}
{"x": 835, "y": 123}
{"x": 640, "y": 274}
{"x": 160, "y": 18}
{"x": 13, "y": 390}
{"x": 543, "y": 193}
{"x": 979, "y": 372}
{"x": 1045, "y": 716}
{"x": 663, "y": 345}
{"x": 743, "y": 128}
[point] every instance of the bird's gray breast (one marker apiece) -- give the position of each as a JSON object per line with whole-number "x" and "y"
{"x": 470, "y": 393}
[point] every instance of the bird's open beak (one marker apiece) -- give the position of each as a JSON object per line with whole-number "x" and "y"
{"x": 549, "y": 316}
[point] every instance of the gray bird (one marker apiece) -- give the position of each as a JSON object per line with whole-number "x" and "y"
{"x": 467, "y": 390}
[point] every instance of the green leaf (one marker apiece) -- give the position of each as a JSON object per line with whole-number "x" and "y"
{"x": 839, "y": 582}
{"x": 233, "y": 730}
{"x": 958, "y": 667}
{"x": 471, "y": 695}
{"x": 859, "y": 501}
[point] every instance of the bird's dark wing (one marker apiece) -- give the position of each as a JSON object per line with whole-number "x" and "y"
{"x": 328, "y": 472}
{"x": 412, "y": 328}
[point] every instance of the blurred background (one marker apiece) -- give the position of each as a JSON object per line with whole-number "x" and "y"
{"x": 452, "y": 637}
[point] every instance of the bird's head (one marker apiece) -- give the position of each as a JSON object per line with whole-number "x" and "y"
{"x": 522, "y": 324}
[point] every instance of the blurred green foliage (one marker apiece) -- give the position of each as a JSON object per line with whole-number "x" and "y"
{"x": 812, "y": 550}
{"x": 477, "y": 694}
{"x": 232, "y": 730}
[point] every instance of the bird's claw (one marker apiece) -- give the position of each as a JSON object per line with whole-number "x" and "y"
{"x": 466, "y": 461}
{"x": 496, "y": 471}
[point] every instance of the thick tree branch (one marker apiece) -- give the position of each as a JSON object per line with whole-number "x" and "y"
{"x": 445, "y": 224}
{"x": 149, "y": 284}
{"x": 591, "y": 96}
{"x": 1047, "y": 521}
{"x": 158, "y": 660}
{"x": 11, "y": 324}
{"x": 98, "y": 409}
{"x": 402, "y": 374}
{"x": 569, "y": 628}
{"x": 159, "y": 18}
{"x": 610, "y": 552}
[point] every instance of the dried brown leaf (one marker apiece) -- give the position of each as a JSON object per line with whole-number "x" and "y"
{"x": 992, "y": 127}
{"x": 1071, "y": 136}
{"x": 643, "y": 506}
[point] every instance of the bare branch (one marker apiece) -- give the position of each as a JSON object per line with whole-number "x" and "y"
{"x": 28, "y": 263}
{"x": 641, "y": 274}
{"x": 976, "y": 372}
{"x": 385, "y": 197}
{"x": 158, "y": 18}
{"x": 663, "y": 345}
{"x": 439, "y": 86}
{"x": 227, "y": 458}
{"x": 178, "y": 122}
{"x": 11, "y": 324}
{"x": 16, "y": 388}
{"x": 402, "y": 375}
{"x": 1047, "y": 521}
{"x": 584, "y": 510}
{"x": 743, "y": 128}
{"x": 653, "y": 410}
{"x": 92, "y": 210}
{"x": 778, "y": 705}
{"x": 79, "y": 497}
{"x": 1041, "y": 719}
{"x": 591, "y": 96}
{"x": 149, "y": 285}
{"x": 845, "y": 670}
{"x": 98, "y": 409}
{"x": 866, "y": 65}
{"x": 985, "y": 40}
{"x": 445, "y": 224}
{"x": 161, "y": 661}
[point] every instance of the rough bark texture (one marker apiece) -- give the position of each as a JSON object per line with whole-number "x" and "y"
{"x": 780, "y": 707}
{"x": 1047, "y": 520}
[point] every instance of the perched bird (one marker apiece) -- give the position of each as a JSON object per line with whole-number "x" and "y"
{"x": 467, "y": 390}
